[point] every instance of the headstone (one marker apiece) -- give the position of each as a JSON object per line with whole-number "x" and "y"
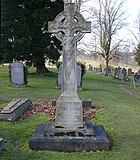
{"x": 100, "y": 68}
{"x": 96, "y": 69}
{"x": 90, "y": 68}
{"x": 124, "y": 72}
{"x": 78, "y": 76}
{"x": 129, "y": 72}
{"x": 137, "y": 77}
{"x": 1, "y": 144}
{"x": 117, "y": 72}
{"x": 132, "y": 81}
{"x": 69, "y": 133}
{"x": 108, "y": 70}
{"x": 138, "y": 72}
{"x": 17, "y": 74}
{"x": 14, "y": 109}
{"x": 121, "y": 76}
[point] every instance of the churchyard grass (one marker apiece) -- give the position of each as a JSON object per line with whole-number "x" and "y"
{"x": 119, "y": 113}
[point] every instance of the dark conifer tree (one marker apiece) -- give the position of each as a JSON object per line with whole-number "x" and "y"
{"x": 43, "y": 45}
{"x": 24, "y": 31}
{"x": 15, "y": 39}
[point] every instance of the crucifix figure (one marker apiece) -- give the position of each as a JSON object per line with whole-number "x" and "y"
{"x": 69, "y": 27}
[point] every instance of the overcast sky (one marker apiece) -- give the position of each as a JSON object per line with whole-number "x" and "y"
{"x": 132, "y": 9}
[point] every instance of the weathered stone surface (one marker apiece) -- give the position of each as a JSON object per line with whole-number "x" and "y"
{"x": 69, "y": 112}
{"x": 52, "y": 131}
{"x": 78, "y": 76}
{"x": 70, "y": 141}
{"x": 69, "y": 133}
{"x": 85, "y": 103}
{"x": 14, "y": 109}
{"x": 69, "y": 27}
{"x": 17, "y": 74}
{"x": 1, "y": 144}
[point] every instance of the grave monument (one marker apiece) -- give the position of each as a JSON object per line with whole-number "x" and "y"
{"x": 69, "y": 133}
{"x": 17, "y": 74}
{"x": 13, "y": 110}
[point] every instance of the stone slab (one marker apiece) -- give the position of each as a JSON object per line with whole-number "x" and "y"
{"x": 14, "y": 109}
{"x": 98, "y": 142}
{"x": 85, "y": 103}
{"x": 1, "y": 144}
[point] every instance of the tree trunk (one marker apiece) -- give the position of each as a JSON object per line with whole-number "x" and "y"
{"x": 107, "y": 67}
{"x": 40, "y": 67}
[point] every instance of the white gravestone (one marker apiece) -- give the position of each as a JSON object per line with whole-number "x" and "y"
{"x": 68, "y": 27}
{"x": 17, "y": 74}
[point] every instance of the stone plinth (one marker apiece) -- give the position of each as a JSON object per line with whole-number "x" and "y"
{"x": 14, "y": 109}
{"x": 90, "y": 138}
{"x": 69, "y": 112}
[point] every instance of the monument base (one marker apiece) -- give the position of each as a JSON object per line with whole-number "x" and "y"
{"x": 70, "y": 142}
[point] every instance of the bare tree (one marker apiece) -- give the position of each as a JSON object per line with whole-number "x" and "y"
{"x": 108, "y": 19}
{"x": 136, "y": 35}
{"x": 136, "y": 32}
{"x": 79, "y": 3}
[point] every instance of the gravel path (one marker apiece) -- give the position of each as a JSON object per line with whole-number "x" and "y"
{"x": 127, "y": 91}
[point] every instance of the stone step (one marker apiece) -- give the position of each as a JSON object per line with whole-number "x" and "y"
{"x": 14, "y": 109}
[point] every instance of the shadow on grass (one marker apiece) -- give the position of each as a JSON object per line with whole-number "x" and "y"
{"x": 93, "y": 89}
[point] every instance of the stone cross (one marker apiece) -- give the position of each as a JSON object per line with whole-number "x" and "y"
{"x": 69, "y": 27}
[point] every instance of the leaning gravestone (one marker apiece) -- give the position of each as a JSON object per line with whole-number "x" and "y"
{"x": 17, "y": 76}
{"x": 121, "y": 76}
{"x": 78, "y": 76}
{"x": 14, "y": 109}
{"x": 69, "y": 133}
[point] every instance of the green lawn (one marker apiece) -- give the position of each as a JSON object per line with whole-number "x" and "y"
{"x": 119, "y": 114}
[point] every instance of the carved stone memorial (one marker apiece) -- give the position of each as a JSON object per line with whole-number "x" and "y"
{"x": 14, "y": 109}
{"x": 69, "y": 133}
{"x": 78, "y": 76}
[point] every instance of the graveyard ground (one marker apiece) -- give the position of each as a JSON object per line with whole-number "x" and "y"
{"x": 119, "y": 113}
